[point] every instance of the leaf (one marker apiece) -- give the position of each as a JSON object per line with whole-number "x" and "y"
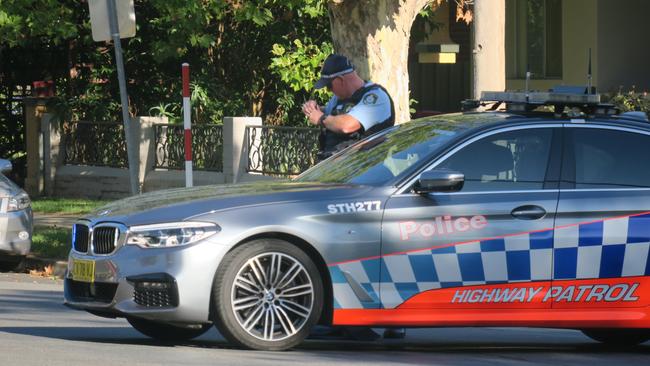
{"x": 48, "y": 271}
{"x": 278, "y": 50}
{"x": 464, "y": 11}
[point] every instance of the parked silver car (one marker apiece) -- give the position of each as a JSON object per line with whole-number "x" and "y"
{"x": 15, "y": 222}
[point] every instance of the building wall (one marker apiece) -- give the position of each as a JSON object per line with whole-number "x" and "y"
{"x": 580, "y": 29}
{"x": 580, "y": 32}
{"x": 614, "y": 30}
{"x": 623, "y": 52}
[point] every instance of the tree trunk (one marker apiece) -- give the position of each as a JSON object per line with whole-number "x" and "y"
{"x": 375, "y": 35}
{"x": 489, "y": 71}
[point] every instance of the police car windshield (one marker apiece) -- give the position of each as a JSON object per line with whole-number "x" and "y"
{"x": 385, "y": 156}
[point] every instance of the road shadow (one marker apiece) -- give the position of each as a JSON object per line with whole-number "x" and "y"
{"x": 30, "y": 302}
{"x": 212, "y": 339}
{"x": 421, "y": 346}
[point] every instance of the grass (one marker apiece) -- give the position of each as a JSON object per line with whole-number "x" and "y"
{"x": 54, "y": 241}
{"x": 70, "y": 206}
{"x": 51, "y": 242}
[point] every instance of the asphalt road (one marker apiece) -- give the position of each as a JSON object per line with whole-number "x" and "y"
{"x": 35, "y": 329}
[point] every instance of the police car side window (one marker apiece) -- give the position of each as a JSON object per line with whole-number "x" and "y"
{"x": 514, "y": 160}
{"x": 610, "y": 158}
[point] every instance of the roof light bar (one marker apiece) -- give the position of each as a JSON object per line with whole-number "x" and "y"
{"x": 541, "y": 98}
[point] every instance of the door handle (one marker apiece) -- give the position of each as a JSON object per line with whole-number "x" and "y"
{"x": 528, "y": 212}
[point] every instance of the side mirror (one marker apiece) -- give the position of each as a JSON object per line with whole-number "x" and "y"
{"x": 5, "y": 166}
{"x": 439, "y": 181}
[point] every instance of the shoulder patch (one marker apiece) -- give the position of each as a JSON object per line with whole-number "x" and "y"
{"x": 370, "y": 98}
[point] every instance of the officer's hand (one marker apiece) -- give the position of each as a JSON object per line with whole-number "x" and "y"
{"x": 312, "y": 111}
{"x": 314, "y": 116}
{"x": 309, "y": 107}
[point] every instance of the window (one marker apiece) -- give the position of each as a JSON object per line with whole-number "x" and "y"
{"x": 534, "y": 38}
{"x": 609, "y": 158}
{"x": 388, "y": 154}
{"x": 514, "y": 160}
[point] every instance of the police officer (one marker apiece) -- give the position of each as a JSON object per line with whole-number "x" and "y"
{"x": 357, "y": 109}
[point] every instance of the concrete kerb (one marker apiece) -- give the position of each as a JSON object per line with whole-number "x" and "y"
{"x": 38, "y": 263}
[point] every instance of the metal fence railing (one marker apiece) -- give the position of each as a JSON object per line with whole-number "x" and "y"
{"x": 95, "y": 143}
{"x": 207, "y": 147}
{"x": 272, "y": 150}
{"x": 281, "y": 151}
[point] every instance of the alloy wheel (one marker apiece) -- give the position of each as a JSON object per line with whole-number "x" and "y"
{"x": 272, "y": 296}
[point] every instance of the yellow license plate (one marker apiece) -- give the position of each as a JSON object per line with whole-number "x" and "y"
{"x": 83, "y": 270}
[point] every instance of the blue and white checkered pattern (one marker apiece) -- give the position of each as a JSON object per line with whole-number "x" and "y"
{"x": 604, "y": 249}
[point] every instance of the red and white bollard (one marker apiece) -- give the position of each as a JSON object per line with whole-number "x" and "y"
{"x": 187, "y": 116}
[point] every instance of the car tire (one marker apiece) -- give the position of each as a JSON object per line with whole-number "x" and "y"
{"x": 618, "y": 337}
{"x": 267, "y": 295}
{"x": 167, "y": 332}
{"x": 13, "y": 264}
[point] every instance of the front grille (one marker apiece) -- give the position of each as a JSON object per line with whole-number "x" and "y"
{"x": 87, "y": 292}
{"x": 157, "y": 294}
{"x": 104, "y": 239}
{"x": 81, "y": 234}
{"x": 157, "y": 290}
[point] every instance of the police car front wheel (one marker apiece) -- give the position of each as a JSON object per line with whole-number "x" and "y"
{"x": 618, "y": 337}
{"x": 268, "y": 294}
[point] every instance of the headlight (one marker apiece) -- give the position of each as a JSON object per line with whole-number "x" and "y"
{"x": 19, "y": 202}
{"x": 170, "y": 234}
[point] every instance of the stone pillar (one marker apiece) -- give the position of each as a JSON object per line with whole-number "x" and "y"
{"x": 489, "y": 61}
{"x": 53, "y": 153}
{"x": 34, "y": 110}
{"x": 235, "y": 151}
{"x": 142, "y": 131}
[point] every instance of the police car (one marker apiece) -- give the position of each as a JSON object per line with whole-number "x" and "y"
{"x": 497, "y": 218}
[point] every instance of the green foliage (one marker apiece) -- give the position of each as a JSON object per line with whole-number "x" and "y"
{"x": 51, "y": 242}
{"x": 33, "y": 33}
{"x": 631, "y": 101}
{"x": 298, "y": 63}
{"x": 25, "y": 22}
{"x": 229, "y": 46}
{"x": 412, "y": 105}
{"x": 424, "y": 24}
{"x": 68, "y": 206}
{"x": 169, "y": 110}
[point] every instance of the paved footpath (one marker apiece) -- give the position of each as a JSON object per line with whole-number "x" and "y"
{"x": 54, "y": 220}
